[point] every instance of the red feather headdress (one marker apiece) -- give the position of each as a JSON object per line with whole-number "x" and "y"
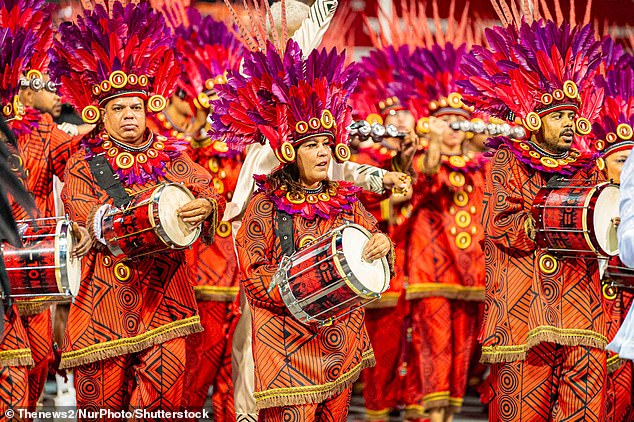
{"x": 112, "y": 52}
{"x": 286, "y": 99}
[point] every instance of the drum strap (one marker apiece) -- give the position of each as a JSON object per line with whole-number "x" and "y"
{"x": 108, "y": 180}
{"x": 284, "y": 232}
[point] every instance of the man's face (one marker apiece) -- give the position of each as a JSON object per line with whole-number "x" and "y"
{"x": 557, "y": 131}
{"x": 124, "y": 119}
{"x": 453, "y": 138}
{"x": 403, "y": 120}
{"x": 47, "y": 102}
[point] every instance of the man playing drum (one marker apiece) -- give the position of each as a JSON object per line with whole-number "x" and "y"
{"x": 544, "y": 328}
{"x": 126, "y": 329}
{"x": 295, "y": 205}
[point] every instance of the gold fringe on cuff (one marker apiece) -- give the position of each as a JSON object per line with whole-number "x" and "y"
{"x": 18, "y": 357}
{"x": 110, "y": 349}
{"x": 614, "y": 363}
{"x": 436, "y": 400}
{"x": 279, "y": 397}
{"x": 33, "y": 307}
{"x": 377, "y": 415}
{"x": 449, "y": 291}
{"x": 544, "y": 333}
{"x": 216, "y": 293}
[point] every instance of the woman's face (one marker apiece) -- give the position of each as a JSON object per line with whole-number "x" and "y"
{"x": 614, "y": 165}
{"x": 313, "y": 160}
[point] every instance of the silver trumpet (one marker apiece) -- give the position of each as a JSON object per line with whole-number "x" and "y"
{"x": 376, "y": 131}
{"x": 491, "y": 129}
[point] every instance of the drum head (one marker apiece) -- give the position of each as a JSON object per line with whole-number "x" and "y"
{"x": 374, "y": 276}
{"x": 69, "y": 273}
{"x": 174, "y": 196}
{"x": 607, "y": 208}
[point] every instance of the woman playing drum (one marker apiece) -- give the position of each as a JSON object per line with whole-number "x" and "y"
{"x": 303, "y": 372}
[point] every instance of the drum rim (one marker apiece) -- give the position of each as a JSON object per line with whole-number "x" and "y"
{"x": 155, "y": 220}
{"x": 342, "y": 263}
{"x": 61, "y": 256}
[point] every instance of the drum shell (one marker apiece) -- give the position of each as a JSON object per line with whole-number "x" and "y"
{"x": 565, "y": 219}
{"x": 46, "y": 248}
{"x": 320, "y": 285}
{"x": 136, "y": 230}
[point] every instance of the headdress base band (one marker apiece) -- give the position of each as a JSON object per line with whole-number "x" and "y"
{"x": 136, "y": 93}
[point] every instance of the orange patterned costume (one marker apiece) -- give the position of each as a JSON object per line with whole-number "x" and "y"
{"x": 296, "y": 364}
{"x": 46, "y": 150}
{"x": 128, "y": 313}
{"x": 445, "y": 275}
{"x": 15, "y": 350}
{"x": 215, "y": 271}
{"x": 538, "y": 322}
{"x": 383, "y": 383}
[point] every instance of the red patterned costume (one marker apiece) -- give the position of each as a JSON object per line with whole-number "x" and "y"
{"x": 544, "y": 329}
{"x": 302, "y": 372}
{"x": 443, "y": 265}
{"x": 45, "y": 150}
{"x": 209, "y": 50}
{"x": 612, "y": 133}
{"x": 384, "y": 383}
{"x": 126, "y": 330}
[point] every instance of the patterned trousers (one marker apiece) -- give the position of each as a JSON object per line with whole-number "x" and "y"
{"x": 209, "y": 362}
{"x": 13, "y": 389}
{"x": 151, "y": 379}
{"x": 335, "y": 409}
{"x": 395, "y": 379}
{"x": 444, "y": 338}
{"x": 618, "y": 388}
{"x": 39, "y": 329}
{"x": 554, "y": 383}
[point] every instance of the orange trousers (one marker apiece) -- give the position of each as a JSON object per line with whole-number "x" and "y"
{"x": 394, "y": 380}
{"x": 444, "y": 339}
{"x": 151, "y": 379}
{"x": 209, "y": 362}
{"x": 39, "y": 329}
{"x": 335, "y": 409}
{"x": 554, "y": 383}
{"x": 13, "y": 389}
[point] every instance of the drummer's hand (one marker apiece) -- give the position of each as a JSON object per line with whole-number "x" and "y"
{"x": 195, "y": 212}
{"x": 397, "y": 180}
{"x": 378, "y": 247}
{"x": 84, "y": 242}
{"x": 616, "y": 221}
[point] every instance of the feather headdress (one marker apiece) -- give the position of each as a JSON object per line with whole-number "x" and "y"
{"x": 286, "y": 99}
{"x": 532, "y": 70}
{"x": 415, "y": 66}
{"x": 613, "y": 129}
{"x": 209, "y": 49}
{"x": 36, "y": 17}
{"x": 112, "y": 52}
{"x": 16, "y": 50}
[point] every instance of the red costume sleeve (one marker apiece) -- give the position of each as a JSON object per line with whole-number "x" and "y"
{"x": 255, "y": 242}
{"x": 505, "y": 213}
{"x": 63, "y": 146}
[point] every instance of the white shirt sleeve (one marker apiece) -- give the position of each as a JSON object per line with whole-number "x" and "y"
{"x": 313, "y": 28}
{"x": 626, "y": 211}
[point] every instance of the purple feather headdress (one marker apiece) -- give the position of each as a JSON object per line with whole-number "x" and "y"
{"x": 125, "y": 51}
{"x": 286, "y": 99}
{"x": 16, "y": 50}
{"x": 209, "y": 49}
{"x": 613, "y": 129}
{"x": 530, "y": 71}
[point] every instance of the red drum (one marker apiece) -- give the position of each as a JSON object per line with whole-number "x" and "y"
{"x": 328, "y": 279}
{"x": 150, "y": 224}
{"x": 43, "y": 270}
{"x": 576, "y": 218}
{"x": 619, "y": 274}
